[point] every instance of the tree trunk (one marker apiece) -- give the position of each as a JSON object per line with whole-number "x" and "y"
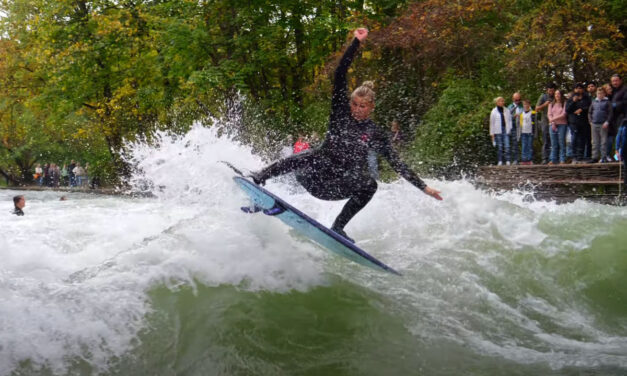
{"x": 122, "y": 168}
{"x": 297, "y": 72}
{"x": 25, "y": 164}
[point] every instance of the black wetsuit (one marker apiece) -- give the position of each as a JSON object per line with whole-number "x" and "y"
{"x": 338, "y": 169}
{"x": 17, "y": 211}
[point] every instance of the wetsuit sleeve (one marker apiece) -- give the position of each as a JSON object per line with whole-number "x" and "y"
{"x": 384, "y": 147}
{"x": 339, "y": 101}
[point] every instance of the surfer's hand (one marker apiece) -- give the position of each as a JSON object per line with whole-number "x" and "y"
{"x": 361, "y": 33}
{"x": 433, "y": 193}
{"x": 257, "y": 178}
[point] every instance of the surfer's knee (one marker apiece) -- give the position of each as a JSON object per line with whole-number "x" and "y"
{"x": 363, "y": 194}
{"x": 371, "y": 187}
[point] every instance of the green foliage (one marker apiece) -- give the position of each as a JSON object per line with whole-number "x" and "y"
{"x": 79, "y": 78}
{"x": 99, "y": 74}
{"x": 566, "y": 42}
{"x": 454, "y": 134}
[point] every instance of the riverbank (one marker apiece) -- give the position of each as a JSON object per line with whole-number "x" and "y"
{"x": 98, "y": 191}
{"x": 601, "y": 183}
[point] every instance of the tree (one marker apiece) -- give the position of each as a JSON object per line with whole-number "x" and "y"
{"x": 441, "y": 35}
{"x": 566, "y": 42}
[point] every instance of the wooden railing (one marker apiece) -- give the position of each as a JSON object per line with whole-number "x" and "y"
{"x": 599, "y": 182}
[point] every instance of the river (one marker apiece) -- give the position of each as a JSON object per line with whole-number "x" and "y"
{"x": 186, "y": 284}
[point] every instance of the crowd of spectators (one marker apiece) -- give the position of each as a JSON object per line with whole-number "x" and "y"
{"x": 70, "y": 175}
{"x": 587, "y": 125}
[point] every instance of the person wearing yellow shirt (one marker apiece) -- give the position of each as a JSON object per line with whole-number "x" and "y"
{"x": 526, "y": 124}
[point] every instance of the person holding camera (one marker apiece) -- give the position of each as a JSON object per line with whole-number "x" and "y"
{"x": 577, "y": 110}
{"x": 542, "y": 108}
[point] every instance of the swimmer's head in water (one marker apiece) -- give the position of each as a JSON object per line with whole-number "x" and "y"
{"x": 362, "y": 101}
{"x": 19, "y": 202}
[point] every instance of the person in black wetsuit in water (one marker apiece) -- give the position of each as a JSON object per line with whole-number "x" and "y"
{"x": 338, "y": 169}
{"x": 19, "y": 202}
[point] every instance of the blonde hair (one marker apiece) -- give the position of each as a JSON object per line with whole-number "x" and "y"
{"x": 498, "y": 99}
{"x": 366, "y": 90}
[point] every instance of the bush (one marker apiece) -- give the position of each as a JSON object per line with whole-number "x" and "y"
{"x": 453, "y": 136}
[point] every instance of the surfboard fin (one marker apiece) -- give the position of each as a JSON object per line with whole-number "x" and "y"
{"x": 251, "y": 209}
{"x": 275, "y": 210}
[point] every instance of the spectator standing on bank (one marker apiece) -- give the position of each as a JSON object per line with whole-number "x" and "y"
{"x": 46, "y": 174}
{"x": 64, "y": 175}
{"x": 39, "y": 174}
{"x": 79, "y": 173}
{"x": 50, "y": 175}
{"x": 577, "y": 110}
{"x": 558, "y": 123}
{"x": 71, "y": 174}
{"x": 588, "y": 146}
{"x": 591, "y": 87}
{"x": 542, "y": 107}
{"x": 619, "y": 102}
{"x": 515, "y": 109}
{"x": 608, "y": 91}
{"x": 527, "y": 125}
{"x": 587, "y": 150}
{"x": 598, "y": 117}
{"x": 56, "y": 177}
{"x": 500, "y": 128}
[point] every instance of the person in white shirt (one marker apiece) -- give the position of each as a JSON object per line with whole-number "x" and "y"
{"x": 79, "y": 172}
{"x": 500, "y": 128}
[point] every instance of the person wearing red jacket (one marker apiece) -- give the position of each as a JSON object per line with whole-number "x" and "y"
{"x": 300, "y": 145}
